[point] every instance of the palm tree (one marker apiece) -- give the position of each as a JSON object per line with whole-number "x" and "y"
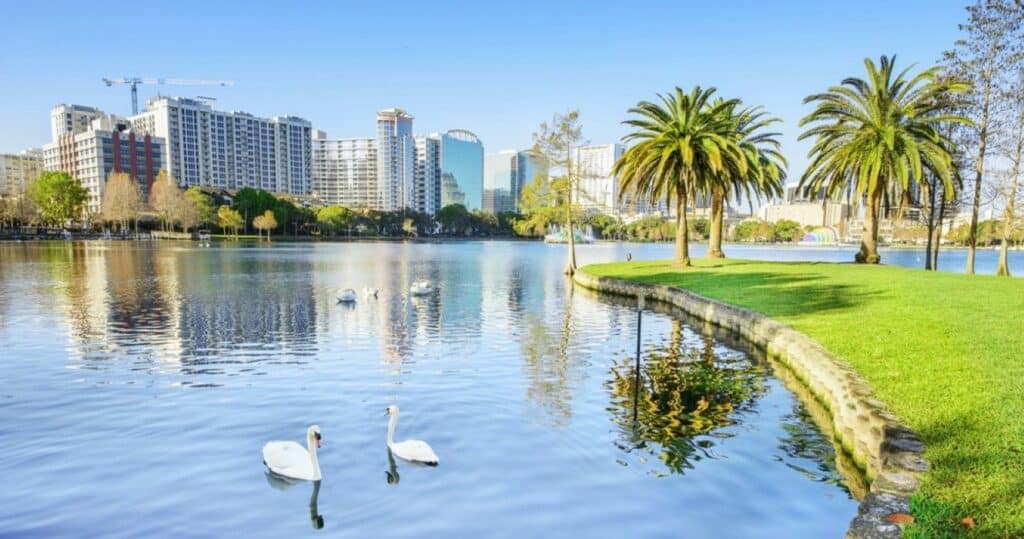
{"x": 763, "y": 175}
{"x": 681, "y": 145}
{"x": 879, "y": 134}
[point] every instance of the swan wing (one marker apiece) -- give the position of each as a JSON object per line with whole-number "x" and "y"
{"x": 415, "y": 451}
{"x": 288, "y": 459}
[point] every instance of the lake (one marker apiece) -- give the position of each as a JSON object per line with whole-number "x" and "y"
{"x": 140, "y": 381}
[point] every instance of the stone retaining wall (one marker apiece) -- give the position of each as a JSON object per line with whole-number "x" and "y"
{"x": 889, "y": 452}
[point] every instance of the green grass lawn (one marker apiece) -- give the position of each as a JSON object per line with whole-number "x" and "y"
{"x": 944, "y": 351}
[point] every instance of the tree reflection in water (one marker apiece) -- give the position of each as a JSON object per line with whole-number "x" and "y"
{"x": 684, "y": 397}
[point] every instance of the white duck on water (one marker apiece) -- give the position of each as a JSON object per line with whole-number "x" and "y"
{"x": 291, "y": 460}
{"x": 347, "y": 296}
{"x": 410, "y": 450}
{"x": 421, "y": 288}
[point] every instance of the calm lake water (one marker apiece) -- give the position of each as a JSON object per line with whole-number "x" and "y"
{"x": 141, "y": 380}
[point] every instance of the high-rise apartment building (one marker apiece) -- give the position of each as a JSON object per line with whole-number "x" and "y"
{"x": 345, "y": 171}
{"x": 427, "y": 175}
{"x": 598, "y": 189}
{"x": 396, "y": 158}
{"x": 108, "y": 145}
{"x": 72, "y": 119}
{"x": 18, "y": 169}
{"x": 230, "y": 150}
{"x": 462, "y": 169}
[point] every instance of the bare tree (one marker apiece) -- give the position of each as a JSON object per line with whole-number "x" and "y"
{"x": 186, "y": 212}
{"x": 122, "y": 200}
{"x": 557, "y": 142}
{"x": 164, "y": 198}
{"x": 991, "y": 49}
{"x": 267, "y": 222}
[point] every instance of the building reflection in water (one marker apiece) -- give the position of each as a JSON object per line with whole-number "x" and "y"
{"x": 188, "y": 310}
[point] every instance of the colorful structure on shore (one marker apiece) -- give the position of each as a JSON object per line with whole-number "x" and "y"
{"x": 823, "y": 235}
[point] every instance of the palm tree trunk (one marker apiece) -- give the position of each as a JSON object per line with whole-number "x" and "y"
{"x": 717, "y": 216}
{"x": 868, "y": 253}
{"x": 682, "y": 234}
{"x": 931, "y": 226}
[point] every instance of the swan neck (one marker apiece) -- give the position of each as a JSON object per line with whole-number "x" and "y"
{"x": 391, "y": 427}
{"x": 311, "y": 446}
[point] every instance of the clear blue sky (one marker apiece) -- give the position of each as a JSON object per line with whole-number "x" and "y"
{"x": 497, "y": 69}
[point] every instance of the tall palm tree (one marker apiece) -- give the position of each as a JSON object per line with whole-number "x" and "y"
{"x": 681, "y": 145}
{"x": 764, "y": 174}
{"x": 878, "y": 134}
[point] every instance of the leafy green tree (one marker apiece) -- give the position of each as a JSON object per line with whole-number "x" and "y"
{"x": 879, "y": 135}
{"x": 505, "y": 222}
{"x": 252, "y": 203}
{"x": 205, "y": 213}
{"x": 682, "y": 144}
{"x": 335, "y": 218}
{"x": 228, "y": 218}
{"x": 483, "y": 223}
{"x": 989, "y": 57}
{"x": 604, "y": 224}
{"x": 753, "y": 230}
{"x": 59, "y": 197}
{"x": 786, "y": 230}
{"x": 454, "y": 219}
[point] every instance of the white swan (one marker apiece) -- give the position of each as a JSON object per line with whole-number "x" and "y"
{"x": 370, "y": 292}
{"x": 289, "y": 459}
{"x": 421, "y": 288}
{"x": 411, "y": 450}
{"x": 347, "y": 296}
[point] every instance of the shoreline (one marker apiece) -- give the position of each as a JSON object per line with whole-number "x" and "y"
{"x": 888, "y": 451}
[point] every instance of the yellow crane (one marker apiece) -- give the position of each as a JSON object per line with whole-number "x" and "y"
{"x": 133, "y": 82}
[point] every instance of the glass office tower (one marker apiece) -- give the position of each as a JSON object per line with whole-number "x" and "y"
{"x": 462, "y": 169}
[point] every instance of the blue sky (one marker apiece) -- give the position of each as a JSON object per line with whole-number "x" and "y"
{"x": 497, "y": 69}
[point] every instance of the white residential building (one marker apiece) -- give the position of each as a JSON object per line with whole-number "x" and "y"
{"x": 72, "y": 119}
{"x": 427, "y": 175}
{"x": 599, "y": 188}
{"x": 345, "y": 171}
{"x": 109, "y": 145}
{"x": 18, "y": 169}
{"x": 396, "y": 157}
{"x": 230, "y": 150}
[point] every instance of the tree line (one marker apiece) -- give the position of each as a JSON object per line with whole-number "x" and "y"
{"x": 878, "y": 138}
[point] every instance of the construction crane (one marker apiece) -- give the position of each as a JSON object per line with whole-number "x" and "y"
{"x": 133, "y": 82}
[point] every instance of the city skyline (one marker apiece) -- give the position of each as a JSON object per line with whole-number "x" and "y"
{"x": 602, "y": 72}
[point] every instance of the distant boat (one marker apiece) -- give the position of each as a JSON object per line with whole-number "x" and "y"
{"x": 347, "y": 296}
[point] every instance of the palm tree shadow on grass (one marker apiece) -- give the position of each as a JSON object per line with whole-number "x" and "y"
{"x": 777, "y": 294}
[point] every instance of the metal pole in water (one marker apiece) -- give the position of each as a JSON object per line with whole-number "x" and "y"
{"x": 636, "y": 380}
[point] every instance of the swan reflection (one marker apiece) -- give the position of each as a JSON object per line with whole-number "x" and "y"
{"x": 283, "y": 483}
{"x": 392, "y": 472}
